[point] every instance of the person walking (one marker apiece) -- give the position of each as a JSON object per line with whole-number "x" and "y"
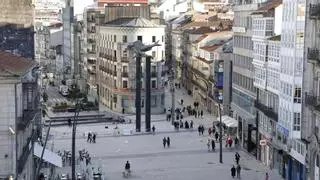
{"x": 191, "y": 124}
{"x": 233, "y": 171}
{"x": 238, "y": 171}
{"x": 216, "y": 136}
{"x": 237, "y": 157}
{"x": 89, "y": 137}
{"x": 236, "y": 141}
{"x": 153, "y": 130}
{"x": 202, "y": 129}
{"x": 209, "y": 131}
{"x": 94, "y": 138}
{"x": 201, "y": 113}
{"x": 208, "y": 144}
{"x": 199, "y": 129}
{"x": 213, "y": 145}
{"x": 168, "y": 141}
{"x": 164, "y": 141}
{"x": 182, "y": 102}
{"x": 267, "y": 176}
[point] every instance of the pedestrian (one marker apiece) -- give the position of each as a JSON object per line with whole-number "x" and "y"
{"x": 199, "y": 129}
{"x": 69, "y": 122}
{"x": 164, "y": 141}
{"x": 191, "y": 124}
{"x": 233, "y": 171}
{"x": 236, "y": 141}
{"x": 89, "y": 137}
{"x": 168, "y": 141}
{"x": 122, "y": 110}
{"x": 208, "y": 144}
{"x": 213, "y": 145}
{"x": 181, "y": 116}
{"x": 230, "y": 142}
{"x": 183, "y": 109}
{"x": 209, "y": 131}
{"x": 195, "y": 113}
{"x": 169, "y": 117}
{"x": 153, "y": 130}
{"x": 237, "y": 157}
{"x": 267, "y": 176}
{"x": 181, "y": 102}
{"x": 238, "y": 171}
{"x": 94, "y": 138}
{"x": 186, "y": 125}
{"x": 202, "y": 129}
{"x": 201, "y": 113}
{"x": 216, "y": 136}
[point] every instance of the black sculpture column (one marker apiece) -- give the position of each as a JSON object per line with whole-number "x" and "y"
{"x": 148, "y": 94}
{"x": 138, "y": 93}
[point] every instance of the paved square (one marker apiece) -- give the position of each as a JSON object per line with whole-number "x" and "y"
{"x": 186, "y": 159}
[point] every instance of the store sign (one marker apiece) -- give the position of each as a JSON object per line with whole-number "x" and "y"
{"x": 283, "y": 130}
{"x": 239, "y": 29}
{"x": 263, "y": 142}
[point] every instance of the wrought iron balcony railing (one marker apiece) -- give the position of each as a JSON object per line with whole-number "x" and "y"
{"x": 125, "y": 74}
{"x": 312, "y": 100}
{"x": 313, "y": 54}
{"x": 314, "y": 11}
{"x": 153, "y": 74}
{"x": 124, "y": 59}
{"x": 268, "y": 111}
{"x": 27, "y": 117}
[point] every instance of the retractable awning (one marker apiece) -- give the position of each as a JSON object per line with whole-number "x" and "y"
{"x": 48, "y": 155}
{"x": 229, "y": 121}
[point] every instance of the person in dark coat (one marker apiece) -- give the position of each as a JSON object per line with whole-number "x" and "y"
{"x": 199, "y": 130}
{"x": 236, "y": 141}
{"x": 164, "y": 141}
{"x": 202, "y": 129}
{"x": 153, "y": 129}
{"x": 94, "y": 138}
{"x": 191, "y": 124}
{"x": 237, "y": 157}
{"x": 233, "y": 171}
{"x": 216, "y": 135}
{"x": 168, "y": 141}
{"x": 89, "y": 137}
{"x": 213, "y": 145}
{"x": 201, "y": 113}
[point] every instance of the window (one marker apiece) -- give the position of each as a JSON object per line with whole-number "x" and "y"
{"x": 125, "y": 69}
{"x": 124, "y": 39}
{"x": 296, "y": 122}
{"x": 153, "y": 84}
{"x": 153, "y": 100}
{"x": 153, "y": 54}
{"x": 153, "y": 38}
{"x": 297, "y": 95}
{"x": 162, "y": 38}
{"x": 115, "y": 99}
{"x": 153, "y": 68}
{"x": 115, "y": 53}
{"x": 139, "y": 38}
{"x": 125, "y": 84}
{"x": 115, "y": 83}
{"x": 114, "y": 38}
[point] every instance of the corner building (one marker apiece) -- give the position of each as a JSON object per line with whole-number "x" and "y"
{"x": 116, "y": 65}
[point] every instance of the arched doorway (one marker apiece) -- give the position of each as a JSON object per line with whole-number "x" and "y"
{"x": 316, "y": 167}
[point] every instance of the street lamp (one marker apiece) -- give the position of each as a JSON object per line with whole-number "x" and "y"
{"x": 220, "y": 128}
{"x": 74, "y": 126}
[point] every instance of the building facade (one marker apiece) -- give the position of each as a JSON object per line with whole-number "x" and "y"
{"x": 311, "y": 92}
{"x": 20, "y": 115}
{"x": 116, "y": 64}
{"x": 243, "y": 91}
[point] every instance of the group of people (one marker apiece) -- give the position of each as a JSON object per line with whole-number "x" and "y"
{"x": 200, "y": 129}
{"x": 84, "y": 156}
{"x": 236, "y": 169}
{"x": 91, "y": 137}
{"x": 166, "y": 142}
{"x": 229, "y": 141}
{"x": 212, "y": 144}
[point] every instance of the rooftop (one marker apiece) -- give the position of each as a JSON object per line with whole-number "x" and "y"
{"x": 13, "y": 66}
{"x": 132, "y": 22}
{"x": 216, "y": 24}
{"x": 269, "y": 5}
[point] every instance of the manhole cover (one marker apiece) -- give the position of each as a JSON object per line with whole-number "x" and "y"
{"x": 210, "y": 162}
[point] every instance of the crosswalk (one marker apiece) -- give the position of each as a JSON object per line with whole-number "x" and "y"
{"x": 58, "y": 100}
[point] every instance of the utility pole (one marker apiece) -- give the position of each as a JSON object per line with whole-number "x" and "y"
{"x": 148, "y": 94}
{"x": 220, "y": 137}
{"x": 138, "y": 93}
{"x": 73, "y": 155}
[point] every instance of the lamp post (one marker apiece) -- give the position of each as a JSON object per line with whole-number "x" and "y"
{"x": 73, "y": 155}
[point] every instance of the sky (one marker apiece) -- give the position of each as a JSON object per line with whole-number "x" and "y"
{"x": 79, "y": 5}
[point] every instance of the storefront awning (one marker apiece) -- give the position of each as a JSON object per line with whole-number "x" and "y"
{"x": 48, "y": 155}
{"x": 229, "y": 121}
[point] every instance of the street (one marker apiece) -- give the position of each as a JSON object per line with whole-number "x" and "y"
{"x": 54, "y": 96}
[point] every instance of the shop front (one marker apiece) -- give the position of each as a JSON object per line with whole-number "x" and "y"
{"x": 266, "y": 151}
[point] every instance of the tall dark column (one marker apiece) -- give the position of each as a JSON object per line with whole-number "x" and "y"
{"x": 148, "y": 94}
{"x": 138, "y": 93}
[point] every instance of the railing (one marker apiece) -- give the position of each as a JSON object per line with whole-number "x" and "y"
{"x": 268, "y": 111}
{"x": 314, "y": 11}
{"x": 91, "y": 51}
{"x": 153, "y": 74}
{"x": 91, "y": 30}
{"x": 91, "y": 40}
{"x": 124, "y": 59}
{"x": 114, "y": 58}
{"x": 114, "y": 73}
{"x": 312, "y": 101}
{"x": 26, "y": 151}
{"x": 198, "y": 72}
{"x": 91, "y": 20}
{"x": 313, "y": 54}
{"x": 103, "y": 69}
{"x": 27, "y": 117}
{"x": 90, "y": 71}
{"x": 125, "y": 74}
{"x": 91, "y": 61}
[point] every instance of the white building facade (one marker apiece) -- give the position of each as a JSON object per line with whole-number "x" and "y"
{"x": 116, "y": 64}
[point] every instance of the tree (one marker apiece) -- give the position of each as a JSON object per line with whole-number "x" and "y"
{"x": 45, "y": 97}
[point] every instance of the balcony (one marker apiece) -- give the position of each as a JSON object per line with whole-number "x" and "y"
{"x": 91, "y": 61}
{"x": 102, "y": 68}
{"x": 26, "y": 152}
{"x": 124, "y": 59}
{"x": 125, "y": 74}
{"x": 312, "y": 101}
{"x": 91, "y": 71}
{"x": 268, "y": 111}
{"x": 153, "y": 74}
{"x": 198, "y": 72}
{"x": 114, "y": 59}
{"x": 91, "y": 20}
{"x": 27, "y": 117}
{"x": 314, "y": 11}
{"x": 91, "y": 51}
{"x": 91, "y": 41}
{"x": 91, "y": 30}
{"x": 313, "y": 54}
{"x": 114, "y": 73}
